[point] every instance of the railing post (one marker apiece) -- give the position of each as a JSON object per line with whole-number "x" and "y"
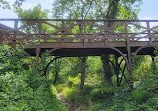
{"x": 148, "y": 29}
{"x": 84, "y": 42}
{"x": 14, "y": 34}
{"x": 106, "y": 32}
{"x": 63, "y": 34}
{"x": 38, "y": 49}
{"x": 129, "y": 55}
{"x": 1, "y": 37}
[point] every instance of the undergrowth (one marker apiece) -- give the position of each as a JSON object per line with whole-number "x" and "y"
{"x": 98, "y": 96}
{"x": 25, "y": 89}
{"x": 22, "y": 88}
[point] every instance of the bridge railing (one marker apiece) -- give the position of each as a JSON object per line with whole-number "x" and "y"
{"x": 35, "y": 31}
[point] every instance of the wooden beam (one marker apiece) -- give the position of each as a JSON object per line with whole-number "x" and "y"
{"x": 14, "y": 34}
{"x": 129, "y": 55}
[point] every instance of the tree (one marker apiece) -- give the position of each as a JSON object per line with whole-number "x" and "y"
{"x": 35, "y": 13}
{"x": 5, "y": 4}
{"x": 97, "y": 9}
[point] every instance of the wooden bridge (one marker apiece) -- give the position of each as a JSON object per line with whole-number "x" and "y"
{"x": 69, "y": 38}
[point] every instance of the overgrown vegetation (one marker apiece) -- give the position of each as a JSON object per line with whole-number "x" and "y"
{"x": 97, "y": 95}
{"x": 21, "y": 87}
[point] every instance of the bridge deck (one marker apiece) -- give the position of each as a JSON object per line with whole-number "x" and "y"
{"x": 91, "y": 49}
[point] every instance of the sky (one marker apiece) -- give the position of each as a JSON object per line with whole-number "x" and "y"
{"x": 148, "y": 10}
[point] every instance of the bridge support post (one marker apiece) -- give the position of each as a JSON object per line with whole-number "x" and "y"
{"x": 38, "y": 49}
{"x": 1, "y": 37}
{"x": 37, "y": 55}
{"x": 14, "y": 34}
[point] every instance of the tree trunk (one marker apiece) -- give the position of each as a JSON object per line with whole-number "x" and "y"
{"x": 56, "y": 77}
{"x": 57, "y": 69}
{"x": 117, "y": 70}
{"x": 107, "y": 69}
{"x": 111, "y": 14}
{"x": 83, "y": 70}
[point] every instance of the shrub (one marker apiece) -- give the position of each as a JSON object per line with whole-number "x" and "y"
{"x": 144, "y": 107}
{"x": 101, "y": 93}
{"x": 21, "y": 88}
{"x": 139, "y": 95}
{"x": 74, "y": 81}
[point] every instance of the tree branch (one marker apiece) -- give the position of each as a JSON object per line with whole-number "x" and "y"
{"x": 88, "y": 8}
{"x": 100, "y": 10}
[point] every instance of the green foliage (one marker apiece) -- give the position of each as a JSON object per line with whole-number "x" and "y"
{"x": 94, "y": 9}
{"x": 5, "y": 4}
{"x": 141, "y": 66}
{"x": 94, "y": 65}
{"x": 74, "y": 81}
{"x": 78, "y": 97}
{"x": 35, "y": 13}
{"x": 143, "y": 98}
{"x": 139, "y": 95}
{"x": 100, "y": 93}
{"x": 145, "y": 107}
{"x": 23, "y": 89}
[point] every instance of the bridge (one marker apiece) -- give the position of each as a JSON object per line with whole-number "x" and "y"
{"x": 71, "y": 38}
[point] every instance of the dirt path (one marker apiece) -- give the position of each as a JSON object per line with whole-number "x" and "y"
{"x": 71, "y": 106}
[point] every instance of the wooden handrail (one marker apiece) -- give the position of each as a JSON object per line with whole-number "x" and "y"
{"x": 100, "y": 31}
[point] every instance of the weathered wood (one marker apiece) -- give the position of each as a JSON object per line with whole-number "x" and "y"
{"x": 51, "y": 25}
{"x": 62, "y": 34}
{"x": 1, "y": 37}
{"x": 27, "y": 25}
{"x": 106, "y": 32}
{"x": 148, "y": 29}
{"x": 84, "y": 26}
{"x": 14, "y": 34}
{"x": 129, "y": 55}
{"x": 38, "y": 45}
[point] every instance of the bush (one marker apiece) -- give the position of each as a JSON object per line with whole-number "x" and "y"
{"x": 74, "y": 81}
{"x": 144, "y": 107}
{"x": 101, "y": 93}
{"x": 21, "y": 88}
{"x": 139, "y": 95}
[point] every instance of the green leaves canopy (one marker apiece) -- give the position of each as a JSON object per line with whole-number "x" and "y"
{"x": 35, "y": 13}
{"x": 5, "y": 4}
{"x": 96, "y": 9}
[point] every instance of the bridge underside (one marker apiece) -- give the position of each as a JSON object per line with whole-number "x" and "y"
{"x": 74, "y": 52}
{"x": 78, "y": 49}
